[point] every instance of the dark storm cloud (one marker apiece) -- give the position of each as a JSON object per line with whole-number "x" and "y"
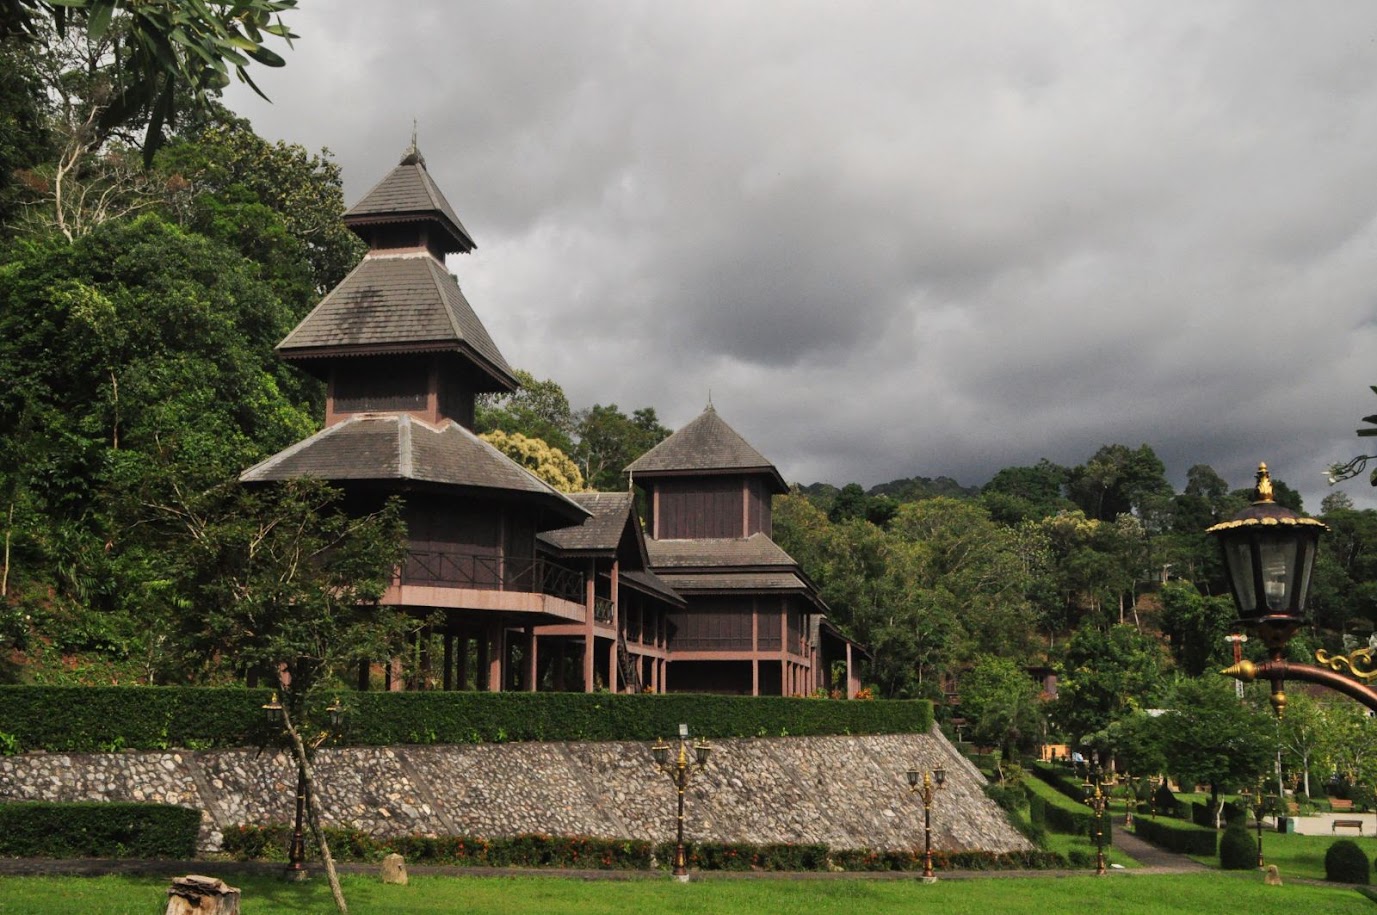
{"x": 896, "y": 238}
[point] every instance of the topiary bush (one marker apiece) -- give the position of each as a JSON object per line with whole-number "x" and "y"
{"x": 1165, "y": 802}
{"x": 1237, "y": 849}
{"x": 1345, "y": 862}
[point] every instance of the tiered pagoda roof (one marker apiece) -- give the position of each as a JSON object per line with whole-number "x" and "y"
{"x": 706, "y": 446}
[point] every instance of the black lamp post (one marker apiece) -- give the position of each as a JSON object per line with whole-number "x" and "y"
{"x": 1259, "y": 805}
{"x": 926, "y": 785}
{"x": 679, "y": 770}
{"x": 1097, "y": 800}
{"x": 296, "y": 854}
{"x": 1269, "y": 552}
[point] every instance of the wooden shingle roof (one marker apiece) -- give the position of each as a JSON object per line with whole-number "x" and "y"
{"x": 705, "y": 446}
{"x": 647, "y": 582}
{"x": 601, "y": 533}
{"x": 693, "y": 583}
{"x": 399, "y": 447}
{"x": 407, "y": 194}
{"x": 397, "y": 303}
{"x": 755, "y": 551}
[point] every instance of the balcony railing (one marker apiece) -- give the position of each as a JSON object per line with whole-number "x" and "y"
{"x": 450, "y": 569}
{"x": 603, "y": 609}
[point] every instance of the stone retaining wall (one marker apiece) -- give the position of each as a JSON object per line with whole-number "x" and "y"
{"x": 849, "y": 792}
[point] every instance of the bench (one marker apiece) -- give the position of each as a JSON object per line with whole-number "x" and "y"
{"x": 1339, "y": 805}
{"x": 1354, "y": 824}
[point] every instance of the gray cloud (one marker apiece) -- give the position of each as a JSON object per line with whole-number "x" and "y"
{"x": 897, "y": 239}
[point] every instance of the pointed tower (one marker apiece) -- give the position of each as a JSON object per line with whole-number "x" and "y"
{"x": 403, "y": 356}
{"x": 707, "y": 481}
{"x": 751, "y": 616}
{"x": 397, "y": 335}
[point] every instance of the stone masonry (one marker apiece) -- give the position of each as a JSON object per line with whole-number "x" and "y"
{"x": 849, "y": 792}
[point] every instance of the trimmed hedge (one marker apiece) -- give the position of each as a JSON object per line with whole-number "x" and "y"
{"x": 35, "y": 829}
{"x": 1237, "y": 849}
{"x": 1061, "y": 814}
{"x": 270, "y": 843}
{"x": 93, "y": 719}
{"x": 1203, "y": 814}
{"x": 1175, "y": 835}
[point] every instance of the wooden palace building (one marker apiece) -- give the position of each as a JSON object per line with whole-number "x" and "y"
{"x": 534, "y": 588}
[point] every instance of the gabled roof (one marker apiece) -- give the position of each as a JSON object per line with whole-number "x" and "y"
{"x": 755, "y": 551}
{"x": 407, "y": 194}
{"x": 390, "y": 446}
{"x": 601, "y": 533}
{"x": 397, "y": 303}
{"x": 705, "y": 446}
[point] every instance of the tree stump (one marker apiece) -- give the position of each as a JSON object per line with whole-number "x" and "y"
{"x": 394, "y": 869}
{"x": 197, "y": 895}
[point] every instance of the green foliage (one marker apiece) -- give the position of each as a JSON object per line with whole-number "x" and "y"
{"x": 549, "y": 463}
{"x": 1182, "y": 838}
{"x": 1196, "y": 625}
{"x": 1104, "y": 676}
{"x": 1237, "y": 849}
{"x": 587, "y": 852}
{"x": 1212, "y": 739}
{"x": 609, "y": 440}
{"x": 97, "y": 830}
{"x": 1346, "y": 862}
{"x": 1064, "y": 809}
{"x": 1164, "y": 801}
{"x": 166, "y": 52}
{"x": 1001, "y": 703}
{"x": 89, "y": 719}
{"x": 1118, "y": 480}
{"x": 538, "y": 409}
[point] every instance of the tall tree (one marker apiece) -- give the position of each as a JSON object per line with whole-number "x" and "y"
{"x": 1103, "y": 676}
{"x": 537, "y": 409}
{"x": 1118, "y": 479}
{"x": 1001, "y": 701}
{"x": 1196, "y": 626}
{"x": 608, "y": 440}
{"x": 167, "y": 53}
{"x": 1213, "y": 739}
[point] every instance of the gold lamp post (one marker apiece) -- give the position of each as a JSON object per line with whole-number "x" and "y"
{"x": 1098, "y": 800}
{"x": 679, "y": 770}
{"x": 1130, "y": 799}
{"x": 926, "y": 785}
{"x": 296, "y": 854}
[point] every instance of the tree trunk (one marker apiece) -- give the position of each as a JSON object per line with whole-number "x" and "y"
{"x": 307, "y": 774}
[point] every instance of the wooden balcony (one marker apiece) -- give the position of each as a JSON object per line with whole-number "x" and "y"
{"x": 449, "y": 579}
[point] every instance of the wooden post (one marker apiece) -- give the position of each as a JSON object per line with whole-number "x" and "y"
{"x": 463, "y": 672}
{"x": 589, "y": 589}
{"x": 531, "y": 669}
{"x": 496, "y": 656}
{"x": 447, "y": 681}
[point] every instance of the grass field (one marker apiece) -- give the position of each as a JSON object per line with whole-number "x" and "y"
{"x": 1119, "y": 893}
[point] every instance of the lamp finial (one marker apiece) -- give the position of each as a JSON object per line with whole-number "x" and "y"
{"x": 1262, "y": 492}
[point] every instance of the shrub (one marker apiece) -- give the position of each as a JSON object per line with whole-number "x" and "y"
{"x": 1237, "y": 849}
{"x": 1037, "y": 809}
{"x": 1011, "y": 798}
{"x": 1176, "y": 836}
{"x": 1165, "y": 802}
{"x": 97, "y": 830}
{"x": 92, "y": 719}
{"x": 1345, "y": 862}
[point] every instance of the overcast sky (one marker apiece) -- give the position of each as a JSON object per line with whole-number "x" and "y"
{"x": 897, "y": 239}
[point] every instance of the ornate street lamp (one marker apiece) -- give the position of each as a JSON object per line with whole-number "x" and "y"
{"x": 926, "y": 785}
{"x": 679, "y": 770}
{"x": 1130, "y": 799}
{"x": 1269, "y": 552}
{"x": 1097, "y": 799}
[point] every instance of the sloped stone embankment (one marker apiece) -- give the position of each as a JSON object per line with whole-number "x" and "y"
{"x": 849, "y": 792}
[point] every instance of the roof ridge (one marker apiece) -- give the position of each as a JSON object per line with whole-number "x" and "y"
{"x": 405, "y": 465}
{"x": 435, "y": 265}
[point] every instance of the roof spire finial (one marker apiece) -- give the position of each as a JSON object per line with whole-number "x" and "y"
{"x": 413, "y": 156}
{"x": 709, "y": 407}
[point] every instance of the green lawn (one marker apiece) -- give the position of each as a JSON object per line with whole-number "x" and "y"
{"x": 1299, "y": 856}
{"x": 1120, "y": 893}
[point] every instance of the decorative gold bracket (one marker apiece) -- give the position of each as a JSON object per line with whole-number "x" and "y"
{"x": 1360, "y": 664}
